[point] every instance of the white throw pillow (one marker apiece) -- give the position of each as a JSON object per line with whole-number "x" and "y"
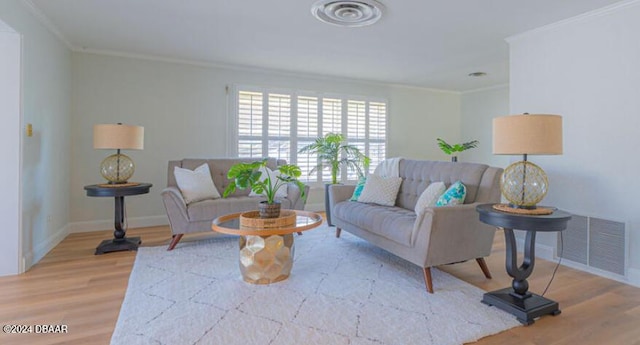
{"x": 282, "y": 192}
{"x": 429, "y": 197}
{"x": 196, "y": 185}
{"x": 380, "y": 190}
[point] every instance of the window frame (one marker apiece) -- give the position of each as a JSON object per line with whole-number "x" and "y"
{"x": 233, "y": 121}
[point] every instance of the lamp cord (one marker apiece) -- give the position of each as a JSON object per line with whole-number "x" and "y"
{"x": 557, "y": 265}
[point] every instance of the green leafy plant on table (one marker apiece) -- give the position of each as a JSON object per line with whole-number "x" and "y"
{"x": 248, "y": 175}
{"x": 451, "y": 149}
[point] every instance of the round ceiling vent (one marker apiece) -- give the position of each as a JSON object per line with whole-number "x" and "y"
{"x": 348, "y": 13}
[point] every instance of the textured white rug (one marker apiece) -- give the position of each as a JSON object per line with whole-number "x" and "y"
{"x": 341, "y": 291}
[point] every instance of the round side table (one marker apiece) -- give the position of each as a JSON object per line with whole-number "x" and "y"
{"x": 119, "y": 242}
{"x": 517, "y": 299}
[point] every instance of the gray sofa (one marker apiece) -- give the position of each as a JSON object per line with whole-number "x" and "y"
{"x": 197, "y": 216}
{"x": 440, "y": 235}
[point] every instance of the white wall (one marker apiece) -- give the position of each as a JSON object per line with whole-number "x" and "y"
{"x": 46, "y": 64}
{"x": 184, "y": 109}
{"x": 478, "y": 110}
{"x": 587, "y": 70}
{"x": 418, "y": 118}
{"x": 10, "y": 87}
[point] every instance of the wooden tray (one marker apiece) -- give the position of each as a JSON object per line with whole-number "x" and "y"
{"x": 252, "y": 220}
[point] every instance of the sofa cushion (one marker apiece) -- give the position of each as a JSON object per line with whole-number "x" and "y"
{"x": 213, "y": 208}
{"x": 417, "y": 175}
{"x": 219, "y": 167}
{"x": 380, "y": 190}
{"x": 455, "y": 195}
{"x": 430, "y": 196}
{"x": 358, "y": 190}
{"x": 196, "y": 185}
{"x": 393, "y": 223}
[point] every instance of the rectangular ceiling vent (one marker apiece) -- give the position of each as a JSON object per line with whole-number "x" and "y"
{"x": 596, "y": 243}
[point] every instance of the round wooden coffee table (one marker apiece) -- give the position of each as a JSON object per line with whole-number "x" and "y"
{"x": 266, "y": 255}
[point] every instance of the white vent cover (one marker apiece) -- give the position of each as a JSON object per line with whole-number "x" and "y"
{"x": 348, "y": 13}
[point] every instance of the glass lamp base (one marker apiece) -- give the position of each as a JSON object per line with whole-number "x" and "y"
{"x": 524, "y": 184}
{"x": 117, "y": 168}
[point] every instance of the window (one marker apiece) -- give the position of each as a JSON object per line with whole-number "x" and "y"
{"x": 278, "y": 123}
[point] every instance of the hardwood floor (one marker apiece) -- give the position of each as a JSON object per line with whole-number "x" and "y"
{"x": 71, "y": 286}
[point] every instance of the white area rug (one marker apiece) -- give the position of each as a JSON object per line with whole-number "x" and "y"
{"x": 341, "y": 291}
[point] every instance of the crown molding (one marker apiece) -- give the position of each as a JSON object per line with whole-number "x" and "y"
{"x": 487, "y": 88}
{"x": 44, "y": 20}
{"x": 601, "y": 12}
{"x": 244, "y": 68}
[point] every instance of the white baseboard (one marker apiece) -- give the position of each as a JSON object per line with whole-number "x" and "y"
{"x": 41, "y": 249}
{"x": 548, "y": 253}
{"x": 134, "y": 222}
{"x": 633, "y": 276}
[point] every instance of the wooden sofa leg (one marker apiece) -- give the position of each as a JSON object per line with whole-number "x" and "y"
{"x": 338, "y": 230}
{"x": 427, "y": 279}
{"x": 174, "y": 241}
{"x": 484, "y": 267}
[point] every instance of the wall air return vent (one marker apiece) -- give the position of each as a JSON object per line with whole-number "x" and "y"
{"x": 596, "y": 243}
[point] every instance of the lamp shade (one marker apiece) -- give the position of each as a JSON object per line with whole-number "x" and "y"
{"x": 532, "y": 134}
{"x": 118, "y": 136}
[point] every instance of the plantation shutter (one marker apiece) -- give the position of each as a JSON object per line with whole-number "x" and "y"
{"x": 307, "y": 133}
{"x": 356, "y": 129}
{"x": 377, "y": 133}
{"x": 249, "y": 124}
{"x": 278, "y": 123}
{"x": 279, "y": 126}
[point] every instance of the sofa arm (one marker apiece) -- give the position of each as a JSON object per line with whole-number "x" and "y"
{"x": 339, "y": 193}
{"x": 293, "y": 194}
{"x": 176, "y": 208}
{"x": 452, "y": 234}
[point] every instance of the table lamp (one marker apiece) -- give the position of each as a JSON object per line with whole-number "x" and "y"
{"x": 523, "y": 183}
{"x": 118, "y": 168}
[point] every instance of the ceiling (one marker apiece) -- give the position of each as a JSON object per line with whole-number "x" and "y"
{"x": 425, "y": 43}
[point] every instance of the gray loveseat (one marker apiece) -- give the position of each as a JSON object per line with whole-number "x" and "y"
{"x": 440, "y": 235}
{"x": 197, "y": 216}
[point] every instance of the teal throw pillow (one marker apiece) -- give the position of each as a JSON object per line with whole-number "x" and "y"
{"x": 358, "y": 190}
{"x": 453, "y": 196}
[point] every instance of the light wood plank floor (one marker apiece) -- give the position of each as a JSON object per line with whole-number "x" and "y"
{"x": 71, "y": 286}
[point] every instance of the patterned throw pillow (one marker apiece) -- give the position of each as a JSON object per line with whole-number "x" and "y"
{"x": 380, "y": 190}
{"x": 358, "y": 190}
{"x": 429, "y": 197}
{"x": 195, "y": 185}
{"x": 453, "y": 196}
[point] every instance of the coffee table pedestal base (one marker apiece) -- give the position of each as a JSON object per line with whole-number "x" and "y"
{"x": 525, "y": 309}
{"x": 266, "y": 259}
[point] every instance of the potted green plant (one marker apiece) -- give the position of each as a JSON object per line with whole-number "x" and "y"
{"x": 249, "y": 175}
{"x": 334, "y": 153}
{"x": 451, "y": 149}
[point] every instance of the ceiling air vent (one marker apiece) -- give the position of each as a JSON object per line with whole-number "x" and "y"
{"x": 348, "y": 13}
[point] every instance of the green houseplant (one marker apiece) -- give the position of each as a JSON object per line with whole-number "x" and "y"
{"x": 452, "y": 149}
{"x": 333, "y": 153}
{"x": 249, "y": 175}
